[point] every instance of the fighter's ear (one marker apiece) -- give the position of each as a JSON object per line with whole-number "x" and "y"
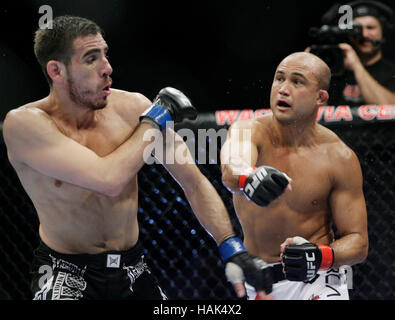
{"x": 56, "y": 71}
{"x": 323, "y": 97}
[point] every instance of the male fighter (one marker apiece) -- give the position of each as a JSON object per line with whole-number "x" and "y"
{"x": 77, "y": 153}
{"x": 290, "y": 178}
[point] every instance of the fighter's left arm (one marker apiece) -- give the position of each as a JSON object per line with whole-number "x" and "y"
{"x": 206, "y": 203}
{"x": 347, "y": 203}
{"x": 213, "y": 216}
{"x": 301, "y": 259}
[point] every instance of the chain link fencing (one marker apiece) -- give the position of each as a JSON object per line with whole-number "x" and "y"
{"x": 181, "y": 253}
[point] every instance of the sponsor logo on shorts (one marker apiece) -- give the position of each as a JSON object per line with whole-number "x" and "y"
{"x": 65, "y": 286}
{"x": 136, "y": 271}
{"x": 113, "y": 260}
{"x": 58, "y": 263}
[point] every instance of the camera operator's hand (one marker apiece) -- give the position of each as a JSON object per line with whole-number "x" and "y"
{"x": 351, "y": 59}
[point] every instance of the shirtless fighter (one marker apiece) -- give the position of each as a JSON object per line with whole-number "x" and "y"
{"x": 77, "y": 153}
{"x": 293, "y": 179}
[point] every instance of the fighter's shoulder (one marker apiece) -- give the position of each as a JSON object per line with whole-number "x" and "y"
{"x": 338, "y": 151}
{"x": 25, "y": 115}
{"x": 257, "y": 123}
{"x": 26, "y": 121}
{"x": 128, "y": 103}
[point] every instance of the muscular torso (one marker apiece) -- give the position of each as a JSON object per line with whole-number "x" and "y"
{"x": 304, "y": 211}
{"x": 77, "y": 220}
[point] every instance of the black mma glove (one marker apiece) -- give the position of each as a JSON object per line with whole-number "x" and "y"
{"x": 303, "y": 259}
{"x": 263, "y": 184}
{"x": 240, "y": 266}
{"x": 169, "y": 105}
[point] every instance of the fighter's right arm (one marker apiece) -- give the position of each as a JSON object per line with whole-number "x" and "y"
{"x": 33, "y": 139}
{"x": 238, "y": 154}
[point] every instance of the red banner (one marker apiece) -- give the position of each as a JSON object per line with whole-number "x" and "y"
{"x": 327, "y": 114}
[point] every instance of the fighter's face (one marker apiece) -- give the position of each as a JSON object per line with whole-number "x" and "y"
{"x": 88, "y": 74}
{"x": 371, "y": 30}
{"x": 295, "y": 91}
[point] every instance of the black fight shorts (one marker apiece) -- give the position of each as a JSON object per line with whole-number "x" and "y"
{"x": 115, "y": 275}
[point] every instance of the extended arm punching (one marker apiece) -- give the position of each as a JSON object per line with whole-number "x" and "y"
{"x": 238, "y": 159}
{"x": 212, "y": 214}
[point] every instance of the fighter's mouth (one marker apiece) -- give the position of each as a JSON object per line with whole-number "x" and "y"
{"x": 106, "y": 89}
{"x": 283, "y": 104}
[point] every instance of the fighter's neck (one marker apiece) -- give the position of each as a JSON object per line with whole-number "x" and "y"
{"x": 64, "y": 109}
{"x": 295, "y": 134}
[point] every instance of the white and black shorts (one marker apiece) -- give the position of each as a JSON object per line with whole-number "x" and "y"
{"x": 110, "y": 275}
{"x": 331, "y": 284}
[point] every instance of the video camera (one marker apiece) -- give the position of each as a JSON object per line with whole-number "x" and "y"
{"x": 325, "y": 44}
{"x": 327, "y": 37}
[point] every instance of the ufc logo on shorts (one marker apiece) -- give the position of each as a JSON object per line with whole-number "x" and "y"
{"x": 310, "y": 264}
{"x": 256, "y": 179}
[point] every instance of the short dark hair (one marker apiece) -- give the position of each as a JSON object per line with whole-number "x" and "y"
{"x": 57, "y": 43}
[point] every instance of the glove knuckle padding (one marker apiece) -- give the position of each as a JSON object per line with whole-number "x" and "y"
{"x": 273, "y": 188}
{"x": 280, "y": 179}
{"x": 301, "y": 261}
{"x": 290, "y": 260}
{"x": 264, "y": 194}
{"x": 169, "y": 105}
{"x": 293, "y": 273}
{"x": 264, "y": 185}
{"x": 251, "y": 270}
{"x": 178, "y": 103}
{"x": 240, "y": 266}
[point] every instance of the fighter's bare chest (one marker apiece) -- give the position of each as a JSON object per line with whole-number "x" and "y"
{"x": 309, "y": 170}
{"x": 103, "y": 139}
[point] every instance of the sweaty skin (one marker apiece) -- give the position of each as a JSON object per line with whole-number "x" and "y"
{"x": 78, "y": 151}
{"x": 325, "y": 175}
{"x": 71, "y": 216}
{"x": 303, "y": 211}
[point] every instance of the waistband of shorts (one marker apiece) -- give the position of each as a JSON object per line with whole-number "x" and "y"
{"x": 107, "y": 259}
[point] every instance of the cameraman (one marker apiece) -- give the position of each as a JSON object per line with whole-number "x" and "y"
{"x": 368, "y": 78}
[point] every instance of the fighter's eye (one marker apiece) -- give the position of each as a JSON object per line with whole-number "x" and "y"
{"x": 91, "y": 59}
{"x": 298, "y": 81}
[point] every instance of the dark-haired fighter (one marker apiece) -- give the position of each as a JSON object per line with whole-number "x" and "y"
{"x": 77, "y": 153}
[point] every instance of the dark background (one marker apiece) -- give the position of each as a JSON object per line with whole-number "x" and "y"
{"x": 222, "y": 54}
